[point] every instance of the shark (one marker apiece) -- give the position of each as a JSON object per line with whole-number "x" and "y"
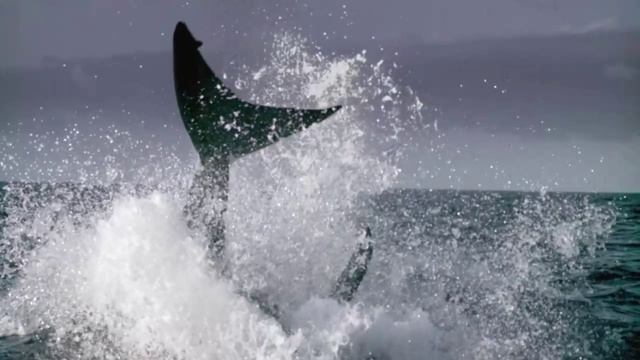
{"x": 223, "y": 127}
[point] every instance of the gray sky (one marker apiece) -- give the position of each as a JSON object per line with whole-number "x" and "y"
{"x": 569, "y": 118}
{"x": 31, "y": 30}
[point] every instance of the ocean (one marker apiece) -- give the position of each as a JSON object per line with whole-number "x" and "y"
{"x": 114, "y": 272}
{"x": 107, "y": 267}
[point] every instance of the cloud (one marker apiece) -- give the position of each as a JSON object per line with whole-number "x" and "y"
{"x": 463, "y": 158}
{"x": 621, "y": 71}
{"x": 608, "y": 23}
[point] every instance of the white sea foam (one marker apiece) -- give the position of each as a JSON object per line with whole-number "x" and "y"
{"x": 138, "y": 284}
{"x": 132, "y": 280}
{"x": 126, "y": 278}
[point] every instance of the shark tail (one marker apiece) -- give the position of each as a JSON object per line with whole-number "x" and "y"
{"x": 222, "y": 127}
{"x": 217, "y": 121}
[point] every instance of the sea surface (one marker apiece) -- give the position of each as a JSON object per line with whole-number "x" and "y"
{"x": 114, "y": 272}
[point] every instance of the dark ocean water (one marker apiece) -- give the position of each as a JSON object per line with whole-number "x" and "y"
{"x": 475, "y": 275}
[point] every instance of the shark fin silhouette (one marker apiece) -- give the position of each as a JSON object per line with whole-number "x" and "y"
{"x": 217, "y": 121}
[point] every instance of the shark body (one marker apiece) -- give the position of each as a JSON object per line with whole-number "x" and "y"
{"x": 223, "y": 127}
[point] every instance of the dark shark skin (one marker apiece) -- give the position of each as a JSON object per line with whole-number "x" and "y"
{"x": 351, "y": 277}
{"x": 223, "y": 127}
{"x": 219, "y": 123}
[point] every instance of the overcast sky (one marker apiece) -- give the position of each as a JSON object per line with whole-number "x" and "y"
{"x": 30, "y": 30}
{"x": 570, "y": 119}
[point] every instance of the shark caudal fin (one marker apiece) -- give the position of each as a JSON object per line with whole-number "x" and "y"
{"x": 219, "y": 123}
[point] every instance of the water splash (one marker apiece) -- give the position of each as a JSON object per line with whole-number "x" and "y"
{"x": 115, "y": 272}
{"x": 98, "y": 272}
{"x": 307, "y": 184}
{"x": 136, "y": 285}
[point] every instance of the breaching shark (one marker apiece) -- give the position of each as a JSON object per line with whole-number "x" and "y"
{"x": 223, "y": 127}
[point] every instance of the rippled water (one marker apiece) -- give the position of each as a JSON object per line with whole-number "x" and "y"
{"x": 92, "y": 271}
{"x": 113, "y": 271}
